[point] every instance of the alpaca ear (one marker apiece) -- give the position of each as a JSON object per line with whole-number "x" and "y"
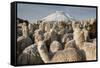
{"x": 64, "y": 39}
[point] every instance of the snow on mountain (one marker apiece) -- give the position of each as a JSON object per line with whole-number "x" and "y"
{"x": 58, "y": 16}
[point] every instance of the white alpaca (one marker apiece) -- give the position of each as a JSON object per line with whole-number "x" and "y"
{"x": 67, "y": 55}
{"x": 88, "y": 47}
{"x": 78, "y": 34}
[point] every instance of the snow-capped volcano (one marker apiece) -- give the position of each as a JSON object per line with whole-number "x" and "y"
{"x": 58, "y": 16}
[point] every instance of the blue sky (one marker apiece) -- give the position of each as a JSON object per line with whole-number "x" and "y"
{"x": 32, "y": 12}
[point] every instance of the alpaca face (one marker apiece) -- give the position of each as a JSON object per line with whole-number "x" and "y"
{"x": 47, "y": 36}
{"x": 38, "y": 35}
{"x": 41, "y": 45}
{"x": 42, "y": 26}
{"x": 76, "y": 25}
{"x": 47, "y": 27}
{"x": 55, "y": 46}
{"x": 86, "y": 25}
{"x": 25, "y": 29}
{"x": 67, "y": 37}
{"x": 38, "y": 38}
{"x": 53, "y": 34}
{"x": 70, "y": 44}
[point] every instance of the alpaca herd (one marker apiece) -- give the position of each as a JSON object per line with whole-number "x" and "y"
{"x": 45, "y": 42}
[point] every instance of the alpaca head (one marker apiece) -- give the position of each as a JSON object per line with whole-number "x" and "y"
{"x": 76, "y": 25}
{"x": 41, "y": 45}
{"x": 38, "y": 35}
{"x": 70, "y": 44}
{"x": 86, "y": 25}
{"x": 61, "y": 24}
{"x": 92, "y": 21}
{"x": 92, "y": 25}
{"x": 42, "y": 26}
{"x": 25, "y": 30}
{"x": 67, "y": 37}
{"x": 53, "y": 34}
{"x": 55, "y": 46}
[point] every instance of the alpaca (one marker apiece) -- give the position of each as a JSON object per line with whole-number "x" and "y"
{"x": 47, "y": 39}
{"x": 72, "y": 44}
{"x": 24, "y": 40}
{"x": 67, "y": 55}
{"x": 54, "y": 35}
{"x": 42, "y": 26}
{"x": 86, "y": 35}
{"x": 92, "y": 31}
{"x": 30, "y": 27}
{"x": 70, "y": 29}
{"x": 31, "y": 31}
{"x": 49, "y": 31}
{"x": 61, "y": 24}
{"x": 78, "y": 34}
{"x": 47, "y": 35}
{"x": 90, "y": 26}
{"x": 86, "y": 29}
{"x": 62, "y": 29}
{"x": 29, "y": 55}
{"x": 88, "y": 47}
{"x": 62, "y": 32}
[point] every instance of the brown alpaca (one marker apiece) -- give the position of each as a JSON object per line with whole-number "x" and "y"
{"x": 90, "y": 26}
{"x": 24, "y": 40}
{"x": 66, "y": 55}
{"x": 92, "y": 31}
